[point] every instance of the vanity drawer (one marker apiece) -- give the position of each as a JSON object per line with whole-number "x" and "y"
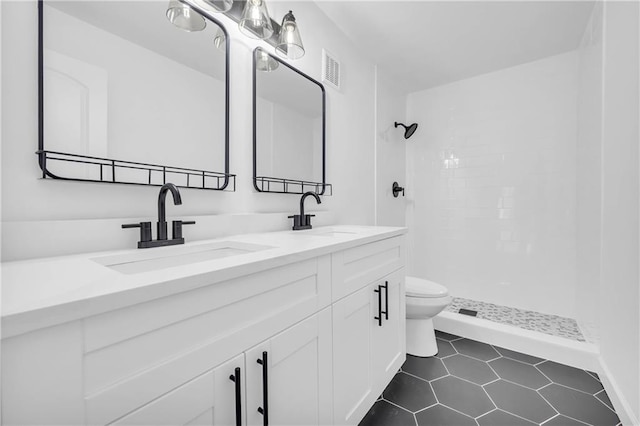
{"x": 184, "y": 405}
{"x": 137, "y": 354}
{"x": 354, "y": 268}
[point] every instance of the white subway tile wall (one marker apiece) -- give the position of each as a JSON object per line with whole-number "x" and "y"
{"x": 491, "y": 185}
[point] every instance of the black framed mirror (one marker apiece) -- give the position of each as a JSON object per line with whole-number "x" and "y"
{"x": 127, "y": 97}
{"x": 288, "y": 128}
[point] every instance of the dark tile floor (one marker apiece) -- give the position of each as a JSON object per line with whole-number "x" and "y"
{"x": 473, "y": 383}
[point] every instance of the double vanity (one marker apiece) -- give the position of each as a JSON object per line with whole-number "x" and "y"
{"x": 298, "y": 328}
{"x": 304, "y": 328}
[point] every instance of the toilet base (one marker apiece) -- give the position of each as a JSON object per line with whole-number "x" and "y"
{"x": 421, "y": 337}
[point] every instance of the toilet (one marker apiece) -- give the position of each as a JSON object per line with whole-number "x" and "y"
{"x": 425, "y": 299}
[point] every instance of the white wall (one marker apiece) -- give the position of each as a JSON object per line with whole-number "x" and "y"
{"x": 618, "y": 307}
{"x": 390, "y": 152}
{"x": 491, "y": 174}
{"x": 588, "y": 173}
{"x": 72, "y": 216}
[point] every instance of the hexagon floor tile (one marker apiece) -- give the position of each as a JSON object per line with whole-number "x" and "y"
{"x": 470, "y": 369}
{"x": 409, "y": 392}
{"x": 429, "y": 368}
{"x": 474, "y": 383}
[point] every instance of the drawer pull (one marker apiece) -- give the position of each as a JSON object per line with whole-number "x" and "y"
{"x": 264, "y": 410}
{"x": 379, "y": 317}
{"x": 236, "y": 378}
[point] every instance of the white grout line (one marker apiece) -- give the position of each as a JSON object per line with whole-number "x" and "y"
{"x": 493, "y": 381}
{"x": 486, "y": 414}
{"x": 579, "y": 421}
{"x": 521, "y": 362}
{"x": 578, "y": 390}
{"x": 490, "y": 399}
{"x": 548, "y": 420}
{"x": 523, "y": 386}
{"x": 466, "y": 380}
{"x": 460, "y": 412}
{"x": 605, "y": 404}
{"x": 426, "y": 408}
{"x": 494, "y": 372}
{"x": 423, "y": 379}
{"x": 445, "y": 367}
{"x": 399, "y": 406}
{"x": 434, "y": 393}
{"x": 545, "y": 386}
{"x": 542, "y": 372}
{"x": 547, "y": 401}
{"x": 520, "y": 417}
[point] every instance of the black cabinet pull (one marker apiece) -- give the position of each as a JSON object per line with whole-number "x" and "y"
{"x": 236, "y": 378}
{"x": 379, "y": 317}
{"x": 386, "y": 300}
{"x": 264, "y": 410}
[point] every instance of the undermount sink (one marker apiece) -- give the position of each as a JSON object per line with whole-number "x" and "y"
{"x": 168, "y": 257}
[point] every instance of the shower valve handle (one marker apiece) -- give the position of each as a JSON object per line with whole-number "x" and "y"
{"x": 396, "y": 189}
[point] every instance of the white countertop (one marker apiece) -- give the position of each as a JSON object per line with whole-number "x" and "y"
{"x": 43, "y": 292}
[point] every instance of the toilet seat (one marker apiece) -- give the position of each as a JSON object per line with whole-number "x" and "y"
{"x": 418, "y": 287}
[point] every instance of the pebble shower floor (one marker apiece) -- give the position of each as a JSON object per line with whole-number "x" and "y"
{"x": 553, "y": 325}
{"x": 474, "y": 383}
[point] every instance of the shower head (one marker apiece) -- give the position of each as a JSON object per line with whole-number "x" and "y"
{"x": 408, "y": 130}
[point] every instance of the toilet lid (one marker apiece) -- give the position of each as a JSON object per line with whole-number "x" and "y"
{"x": 418, "y": 287}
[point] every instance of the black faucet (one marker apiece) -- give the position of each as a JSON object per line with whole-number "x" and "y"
{"x": 162, "y": 211}
{"x": 146, "y": 240}
{"x": 303, "y": 221}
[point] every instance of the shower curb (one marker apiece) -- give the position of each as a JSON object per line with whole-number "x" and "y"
{"x": 565, "y": 351}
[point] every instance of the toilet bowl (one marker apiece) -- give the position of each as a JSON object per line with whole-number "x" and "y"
{"x": 425, "y": 299}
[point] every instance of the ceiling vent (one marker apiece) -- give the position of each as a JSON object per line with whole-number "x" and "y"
{"x": 330, "y": 70}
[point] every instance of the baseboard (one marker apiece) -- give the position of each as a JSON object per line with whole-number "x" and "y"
{"x": 570, "y": 352}
{"x": 620, "y": 403}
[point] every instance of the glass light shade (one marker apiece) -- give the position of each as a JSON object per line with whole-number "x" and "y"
{"x": 255, "y": 21}
{"x": 289, "y": 41}
{"x": 220, "y": 39}
{"x": 220, "y": 5}
{"x": 264, "y": 61}
{"x": 182, "y": 16}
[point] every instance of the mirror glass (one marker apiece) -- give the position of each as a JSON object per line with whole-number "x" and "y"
{"x": 289, "y": 128}
{"x": 121, "y": 82}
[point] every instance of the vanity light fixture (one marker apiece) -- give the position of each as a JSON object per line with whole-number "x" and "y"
{"x": 220, "y": 39}
{"x": 264, "y": 61}
{"x": 289, "y": 41}
{"x": 220, "y": 5}
{"x": 255, "y": 21}
{"x": 182, "y": 16}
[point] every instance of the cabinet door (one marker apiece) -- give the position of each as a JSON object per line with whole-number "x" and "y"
{"x": 388, "y": 349}
{"x": 298, "y": 369}
{"x": 352, "y": 344}
{"x": 206, "y": 400}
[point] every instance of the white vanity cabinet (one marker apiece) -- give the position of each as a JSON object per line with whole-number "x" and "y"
{"x": 299, "y": 372}
{"x": 298, "y": 385}
{"x": 191, "y": 357}
{"x": 209, "y": 399}
{"x": 368, "y": 329}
